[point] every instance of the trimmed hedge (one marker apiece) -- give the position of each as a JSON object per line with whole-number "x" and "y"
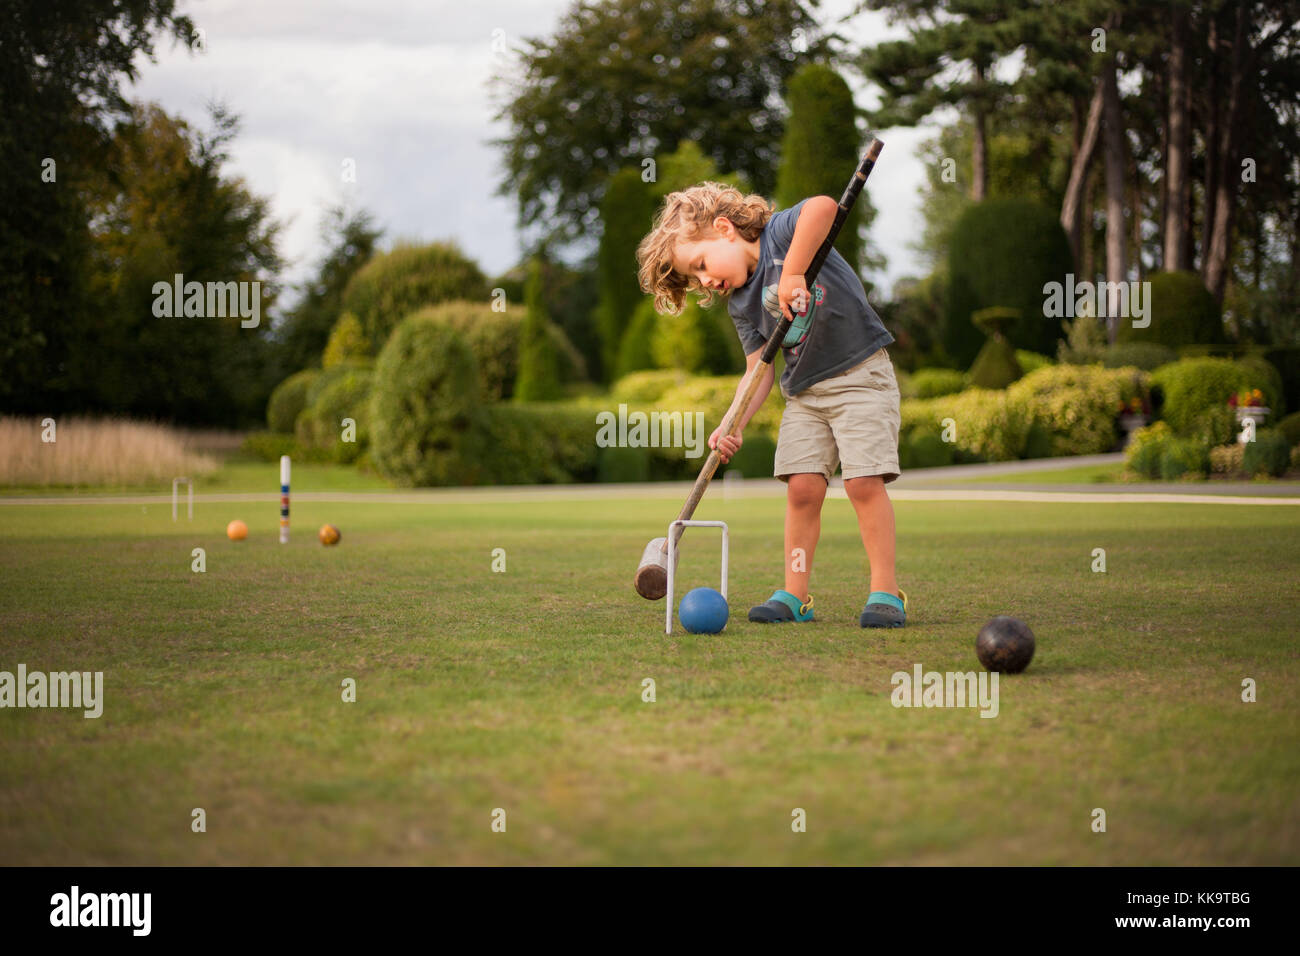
{"x": 539, "y": 443}
{"x": 428, "y": 419}
{"x": 756, "y": 458}
{"x": 1192, "y": 385}
{"x": 1182, "y": 312}
{"x": 646, "y": 386}
{"x": 713, "y": 396}
{"x": 933, "y": 382}
{"x": 288, "y": 400}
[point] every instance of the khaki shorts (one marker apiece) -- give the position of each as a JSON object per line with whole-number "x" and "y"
{"x": 851, "y": 418}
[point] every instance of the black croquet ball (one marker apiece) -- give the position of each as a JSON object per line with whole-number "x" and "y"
{"x": 1005, "y": 644}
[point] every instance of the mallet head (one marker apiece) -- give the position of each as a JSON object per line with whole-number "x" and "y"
{"x": 651, "y": 580}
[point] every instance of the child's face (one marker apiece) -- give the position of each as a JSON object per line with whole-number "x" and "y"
{"x": 720, "y": 263}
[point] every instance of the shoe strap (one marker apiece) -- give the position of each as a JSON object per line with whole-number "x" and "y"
{"x": 799, "y": 608}
{"x": 884, "y": 597}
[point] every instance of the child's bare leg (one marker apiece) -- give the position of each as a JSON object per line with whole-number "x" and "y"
{"x": 803, "y": 526}
{"x": 876, "y": 523}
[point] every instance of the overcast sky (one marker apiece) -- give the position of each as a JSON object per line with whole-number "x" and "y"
{"x": 401, "y": 87}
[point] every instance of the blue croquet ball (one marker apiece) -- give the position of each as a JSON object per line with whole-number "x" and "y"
{"x": 703, "y": 611}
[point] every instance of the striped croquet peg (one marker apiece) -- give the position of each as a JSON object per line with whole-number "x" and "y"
{"x": 284, "y": 499}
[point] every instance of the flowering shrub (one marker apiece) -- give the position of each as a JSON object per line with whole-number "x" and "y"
{"x": 1074, "y": 405}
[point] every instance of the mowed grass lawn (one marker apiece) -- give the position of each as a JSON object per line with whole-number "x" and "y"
{"x": 522, "y": 690}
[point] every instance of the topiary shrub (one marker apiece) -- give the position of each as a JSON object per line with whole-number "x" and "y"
{"x": 427, "y": 416}
{"x": 1002, "y": 253}
{"x": 347, "y": 343}
{"x": 539, "y": 364}
{"x": 996, "y": 365}
{"x": 1184, "y": 457}
{"x": 494, "y": 339}
{"x": 626, "y": 209}
{"x": 925, "y": 449}
{"x": 933, "y": 382}
{"x": 1143, "y": 355}
{"x": 1192, "y": 385}
{"x": 288, "y": 400}
{"x": 394, "y": 284}
{"x": 1290, "y": 427}
{"x": 320, "y": 425}
{"x": 713, "y": 395}
{"x": 1146, "y": 447}
{"x": 1268, "y": 454}
{"x": 1182, "y": 312}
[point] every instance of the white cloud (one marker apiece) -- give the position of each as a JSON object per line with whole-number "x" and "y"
{"x": 402, "y": 89}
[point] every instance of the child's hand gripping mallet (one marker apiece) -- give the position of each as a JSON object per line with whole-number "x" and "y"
{"x": 651, "y": 579}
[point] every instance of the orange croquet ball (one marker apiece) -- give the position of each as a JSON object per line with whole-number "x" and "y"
{"x": 236, "y": 530}
{"x": 329, "y": 534}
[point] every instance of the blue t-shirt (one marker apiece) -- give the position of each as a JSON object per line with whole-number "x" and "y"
{"x": 845, "y": 329}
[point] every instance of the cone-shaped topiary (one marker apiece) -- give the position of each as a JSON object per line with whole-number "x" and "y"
{"x": 635, "y": 351}
{"x": 996, "y": 366}
{"x": 539, "y": 362}
{"x": 1003, "y": 252}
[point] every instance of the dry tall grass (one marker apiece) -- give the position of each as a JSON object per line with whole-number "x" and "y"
{"x": 90, "y": 451}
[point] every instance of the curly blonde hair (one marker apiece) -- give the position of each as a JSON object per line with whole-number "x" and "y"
{"x": 687, "y": 216}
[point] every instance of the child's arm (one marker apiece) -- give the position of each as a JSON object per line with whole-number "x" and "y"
{"x": 729, "y": 446}
{"x": 810, "y": 230}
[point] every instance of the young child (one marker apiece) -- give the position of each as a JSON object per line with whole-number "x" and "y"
{"x": 841, "y": 394}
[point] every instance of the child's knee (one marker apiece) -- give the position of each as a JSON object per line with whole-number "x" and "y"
{"x": 805, "y": 490}
{"x": 864, "y": 488}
